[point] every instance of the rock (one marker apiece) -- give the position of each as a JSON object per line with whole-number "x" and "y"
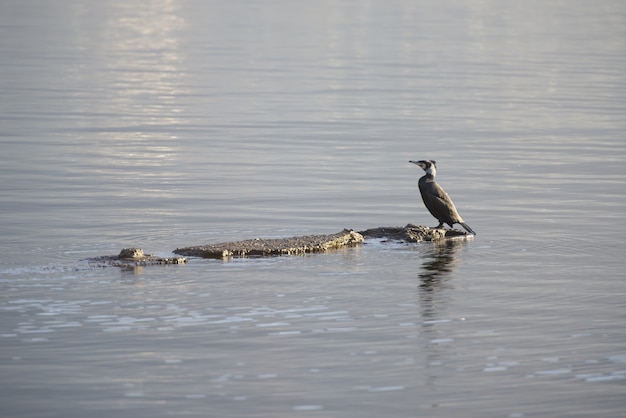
{"x": 133, "y": 257}
{"x": 279, "y": 246}
{"x": 414, "y": 233}
{"x": 131, "y": 253}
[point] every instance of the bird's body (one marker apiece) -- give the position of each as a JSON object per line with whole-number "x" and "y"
{"x": 436, "y": 199}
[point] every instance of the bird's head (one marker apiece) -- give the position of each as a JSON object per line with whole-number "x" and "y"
{"x": 429, "y": 166}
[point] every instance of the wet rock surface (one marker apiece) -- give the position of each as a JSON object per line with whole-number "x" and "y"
{"x": 278, "y": 246}
{"x": 259, "y": 247}
{"x": 414, "y": 233}
{"x": 133, "y": 257}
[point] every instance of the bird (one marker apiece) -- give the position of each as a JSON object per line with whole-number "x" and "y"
{"x": 436, "y": 199}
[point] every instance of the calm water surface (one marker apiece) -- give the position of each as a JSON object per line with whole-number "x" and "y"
{"x": 164, "y": 124}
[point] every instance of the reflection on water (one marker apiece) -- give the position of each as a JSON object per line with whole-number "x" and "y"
{"x": 439, "y": 263}
{"x": 140, "y": 65}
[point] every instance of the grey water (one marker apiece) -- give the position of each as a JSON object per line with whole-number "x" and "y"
{"x": 165, "y": 123}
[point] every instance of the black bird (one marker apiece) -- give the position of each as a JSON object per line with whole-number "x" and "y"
{"x": 436, "y": 199}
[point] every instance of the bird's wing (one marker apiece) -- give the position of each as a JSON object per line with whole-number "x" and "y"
{"x": 439, "y": 194}
{"x": 441, "y": 204}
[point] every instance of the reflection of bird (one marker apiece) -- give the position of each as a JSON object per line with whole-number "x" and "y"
{"x": 436, "y": 199}
{"x": 439, "y": 262}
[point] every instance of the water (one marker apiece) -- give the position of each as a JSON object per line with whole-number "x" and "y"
{"x": 169, "y": 124}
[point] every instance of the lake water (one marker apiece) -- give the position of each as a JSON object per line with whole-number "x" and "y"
{"x": 165, "y": 124}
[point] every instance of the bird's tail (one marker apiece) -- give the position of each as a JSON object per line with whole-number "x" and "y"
{"x": 467, "y": 228}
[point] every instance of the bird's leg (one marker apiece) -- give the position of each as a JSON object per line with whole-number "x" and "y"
{"x": 439, "y": 226}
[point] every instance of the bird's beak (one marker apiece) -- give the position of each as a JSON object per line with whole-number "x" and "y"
{"x": 416, "y": 162}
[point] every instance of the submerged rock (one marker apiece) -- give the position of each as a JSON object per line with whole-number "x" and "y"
{"x": 414, "y": 233}
{"x": 133, "y": 257}
{"x": 277, "y": 246}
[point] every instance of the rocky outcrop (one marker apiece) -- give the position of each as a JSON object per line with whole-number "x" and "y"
{"x": 260, "y": 247}
{"x": 414, "y": 233}
{"x": 133, "y": 257}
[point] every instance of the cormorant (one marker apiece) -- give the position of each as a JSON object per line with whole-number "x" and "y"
{"x": 436, "y": 199}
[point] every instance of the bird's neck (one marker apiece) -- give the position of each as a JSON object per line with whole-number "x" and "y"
{"x": 427, "y": 177}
